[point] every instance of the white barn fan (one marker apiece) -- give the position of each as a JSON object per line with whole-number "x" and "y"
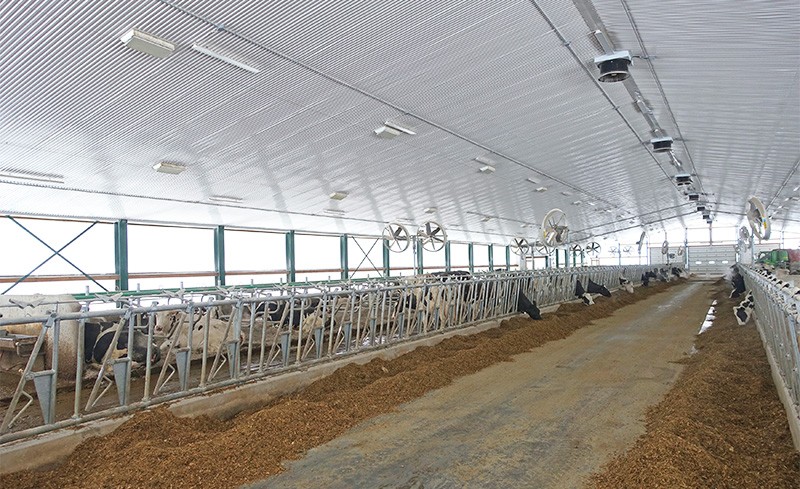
{"x": 520, "y": 246}
{"x": 396, "y": 237}
{"x": 554, "y": 228}
{"x": 758, "y": 218}
{"x": 432, "y": 236}
{"x": 593, "y": 248}
{"x": 665, "y": 247}
{"x": 640, "y": 243}
{"x": 541, "y": 249}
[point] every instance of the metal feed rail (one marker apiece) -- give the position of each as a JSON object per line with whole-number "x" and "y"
{"x": 777, "y": 312}
{"x": 332, "y": 319}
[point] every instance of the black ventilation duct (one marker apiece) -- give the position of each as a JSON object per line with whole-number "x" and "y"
{"x": 614, "y": 66}
{"x": 661, "y": 145}
{"x": 693, "y": 197}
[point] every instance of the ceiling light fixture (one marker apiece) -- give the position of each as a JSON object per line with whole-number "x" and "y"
{"x": 339, "y": 195}
{"x": 169, "y": 167}
{"x": 337, "y": 212}
{"x": 224, "y": 58}
{"x": 487, "y": 169}
{"x": 541, "y": 189}
{"x": 398, "y": 127}
{"x": 565, "y": 193}
{"x": 224, "y": 198}
{"x": 33, "y": 177}
{"x": 486, "y": 219}
{"x": 533, "y": 180}
{"x": 430, "y": 210}
{"x": 147, "y": 43}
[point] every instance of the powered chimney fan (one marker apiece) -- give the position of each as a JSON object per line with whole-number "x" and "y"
{"x": 614, "y": 66}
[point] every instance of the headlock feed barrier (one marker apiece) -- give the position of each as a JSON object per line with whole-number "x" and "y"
{"x": 156, "y": 348}
{"x": 776, "y": 311}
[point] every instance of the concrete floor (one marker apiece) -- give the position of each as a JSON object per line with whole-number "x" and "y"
{"x": 546, "y": 420}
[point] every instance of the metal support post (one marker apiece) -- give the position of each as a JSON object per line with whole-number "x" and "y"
{"x": 343, "y": 256}
{"x": 418, "y": 265}
{"x": 291, "y": 274}
{"x": 566, "y": 258}
{"x": 491, "y": 257}
{"x": 121, "y": 253}
{"x": 557, "y": 258}
{"x": 386, "y": 269}
{"x": 219, "y": 255}
{"x": 471, "y": 254}
{"x": 508, "y": 258}
{"x": 448, "y": 264}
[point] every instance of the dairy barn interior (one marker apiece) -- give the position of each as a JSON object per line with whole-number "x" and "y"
{"x": 423, "y": 244}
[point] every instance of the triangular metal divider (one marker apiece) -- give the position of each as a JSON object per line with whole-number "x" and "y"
{"x": 233, "y": 356}
{"x": 43, "y": 381}
{"x": 122, "y": 367}
{"x": 318, "y": 341}
{"x": 348, "y": 331}
{"x": 182, "y": 362}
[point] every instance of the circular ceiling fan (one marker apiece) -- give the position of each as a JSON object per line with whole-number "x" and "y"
{"x": 520, "y": 246}
{"x": 555, "y": 231}
{"x": 396, "y": 237}
{"x": 432, "y": 236}
{"x": 744, "y": 238}
{"x": 640, "y": 243}
{"x": 593, "y": 248}
{"x": 758, "y": 218}
{"x": 665, "y": 247}
{"x": 541, "y": 249}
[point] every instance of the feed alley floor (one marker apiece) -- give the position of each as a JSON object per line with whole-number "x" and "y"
{"x": 547, "y": 419}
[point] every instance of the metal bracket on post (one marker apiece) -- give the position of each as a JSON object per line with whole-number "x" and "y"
{"x": 182, "y": 362}
{"x": 122, "y": 368}
{"x": 318, "y": 341}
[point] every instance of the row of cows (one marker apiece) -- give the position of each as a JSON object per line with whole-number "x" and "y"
{"x": 426, "y": 303}
{"x": 785, "y": 291}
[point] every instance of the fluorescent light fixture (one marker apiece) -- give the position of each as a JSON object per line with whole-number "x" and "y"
{"x": 404, "y": 219}
{"x": 486, "y": 219}
{"x": 31, "y": 176}
{"x": 486, "y": 169}
{"x": 169, "y": 167}
{"x": 224, "y": 58}
{"x": 224, "y": 198}
{"x": 398, "y": 127}
{"x": 430, "y": 210}
{"x": 591, "y": 203}
{"x": 338, "y": 195}
{"x": 577, "y": 202}
{"x": 524, "y": 225}
{"x": 485, "y": 160}
{"x": 533, "y": 180}
{"x": 147, "y": 43}
{"x": 541, "y": 189}
{"x": 384, "y": 132}
{"x": 796, "y": 188}
{"x": 565, "y": 193}
{"x": 336, "y": 212}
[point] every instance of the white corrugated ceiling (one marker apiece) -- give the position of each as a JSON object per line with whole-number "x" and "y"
{"x": 512, "y": 81}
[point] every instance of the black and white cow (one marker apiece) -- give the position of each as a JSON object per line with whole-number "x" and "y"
{"x": 528, "y": 306}
{"x": 595, "y": 288}
{"x": 581, "y": 293}
{"x": 737, "y": 281}
{"x": 744, "y": 311}
{"x": 99, "y": 335}
{"x": 626, "y": 284}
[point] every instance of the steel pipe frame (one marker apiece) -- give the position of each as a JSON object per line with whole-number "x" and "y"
{"x": 353, "y": 317}
{"x": 776, "y": 313}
